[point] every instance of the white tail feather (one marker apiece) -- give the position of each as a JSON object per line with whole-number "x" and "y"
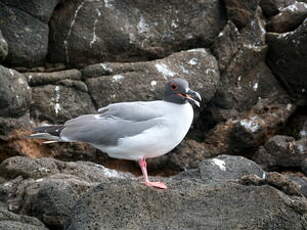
{"x": 45, "y": 136}
{"x": 48, "y": 142}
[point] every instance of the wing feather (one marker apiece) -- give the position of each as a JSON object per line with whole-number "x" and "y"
{"x": 114, "y": 122}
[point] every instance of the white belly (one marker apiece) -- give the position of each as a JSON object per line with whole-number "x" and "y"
{"x": 157, "y": 140}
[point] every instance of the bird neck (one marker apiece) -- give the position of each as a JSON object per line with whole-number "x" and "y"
{"x": 175, "y": 99}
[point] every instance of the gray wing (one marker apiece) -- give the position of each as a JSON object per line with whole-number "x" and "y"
{"x": 116, "y": 121}
{"x": 132, "y": 111}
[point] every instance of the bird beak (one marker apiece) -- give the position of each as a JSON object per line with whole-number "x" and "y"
{"x": 193, "y": 97}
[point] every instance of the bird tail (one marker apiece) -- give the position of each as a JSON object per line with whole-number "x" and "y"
{"x": 51, "y": 133}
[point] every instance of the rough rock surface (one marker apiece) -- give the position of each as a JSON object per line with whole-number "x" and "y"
{"x": 288, "y": 64}
{"x": 244, "y": 134}
{"x": 38, "y": 79}
{"x": 88, "y": 32}
{"x": 40, "y": 9}
{"x": 210, "y": 206}
{"x": 225, "y": 167}
{"x": 58, "y": 103}
{"x": 245, "y": 78}
{"x": 50, "y": 199}
{"x": 26, "y": 35}
{"x": 3, "y": 47}
{"x": 43, "y": 167}
{"x": 301, "y": 181}
{"x": 282, "y": 151}
{"x": 48, "y": 188}
{"x": 304, "y": 166}
{"x": 116, "y": 82}
{"x": 272, "y": 7}
{"x": 84, "y": 195}
{"x": 15, "y": 94}
{"x": 276, "y": 180}
{"x": 8, "y": 125}
{"x": 246, "y": 58}
{"x": 241, "y": 12}
{"x": 12, "y": 221}
{"x": 289, "y": 18}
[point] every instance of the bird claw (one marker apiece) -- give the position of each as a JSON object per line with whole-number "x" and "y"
{"x": 157, "y": 184}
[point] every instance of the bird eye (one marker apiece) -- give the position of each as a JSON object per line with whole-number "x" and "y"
{"x": 173, "y": 86}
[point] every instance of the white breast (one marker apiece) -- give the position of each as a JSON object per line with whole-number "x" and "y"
{"x": 158, "y": 140}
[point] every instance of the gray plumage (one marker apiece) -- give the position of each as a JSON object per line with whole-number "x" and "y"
{"x": 132, "y": 130}
{"x": 114, "y": 121}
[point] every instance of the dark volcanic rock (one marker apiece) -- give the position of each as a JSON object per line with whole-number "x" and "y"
{"x": 243, "y": 135}
{"x": 245, "y": 78}
{"x": 12, "y": 221}
{"x": 51, "y": 187}
{"x": 27, "y": 36}
{"x": 58, "y": 103}
{"x": 250, "y": 104}
{"x": 89, "y": 32}
{"x": 37, "y": 79}
{"x": 117, "y": 82}
{"x": 248, "y": 96}
{"x": 225, "y": 167}
{"x": 3, "y": 47}
{"x": 188, "y": 154}
{"x": 289, "y": 18}
{"x": 49, "y": 199}
{"x": 301, "y": 181}
{"x": 285, "y": 60}
{"x": 282, "y": 182}
{"x": 43, "y": 167}
{"x": 15, "y": 94}
{"x": 69, "y": 194}
{"x": 282, "y": 151}
{"x": 272, "y": 7}
{"x": 186, "y": 205}
{"x": 241, "y": 12}
{"x": 304, "y": 166}
{"x": 40, "y": 9}
{"x": 7, "y": 125}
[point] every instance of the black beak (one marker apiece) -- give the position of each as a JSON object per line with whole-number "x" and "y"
{"x": 193, "y": 97}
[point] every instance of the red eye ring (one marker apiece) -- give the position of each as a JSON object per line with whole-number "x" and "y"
{"x": 173, "y": 86}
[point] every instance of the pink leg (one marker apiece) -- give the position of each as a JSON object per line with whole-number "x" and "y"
{"x": 143, "y": 166}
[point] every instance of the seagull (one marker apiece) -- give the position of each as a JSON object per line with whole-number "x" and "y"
{"x": 135, "y": 130}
